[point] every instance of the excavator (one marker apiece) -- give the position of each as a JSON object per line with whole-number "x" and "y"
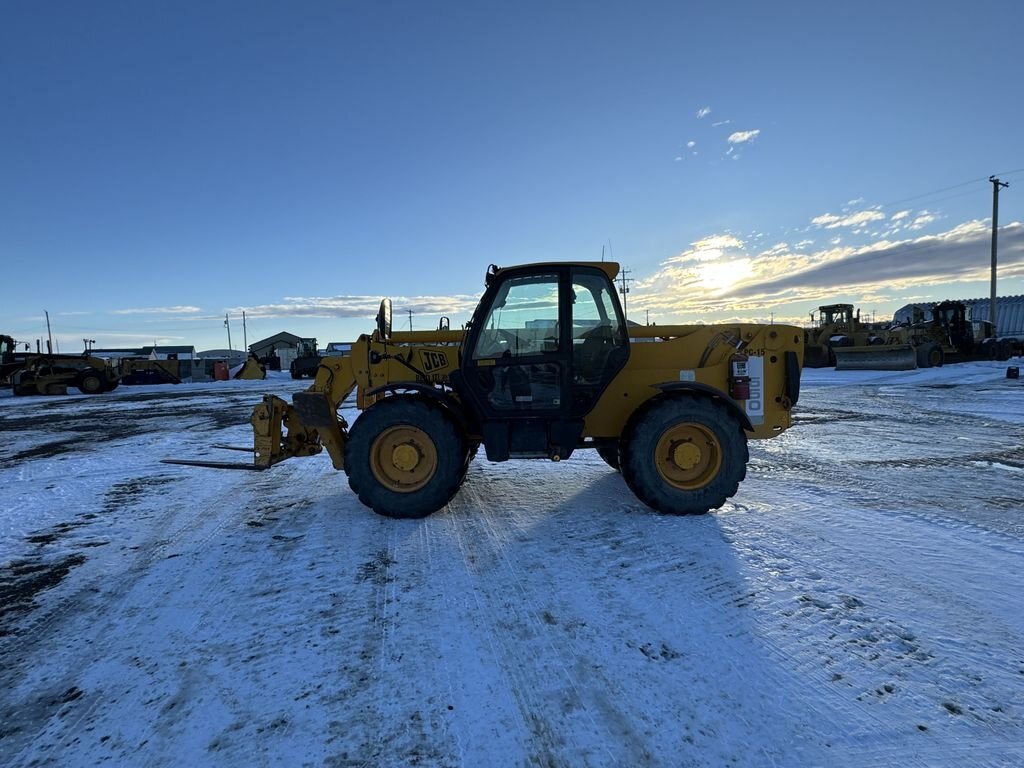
{"x": 547, "y": 366}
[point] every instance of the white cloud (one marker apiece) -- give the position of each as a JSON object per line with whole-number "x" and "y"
{"x": 718, "y": 277}
{"x": 358, "y": 306}
{"x": 742, "y": 137}
{"x": 720, "y": 122}
{"x": 832, "y": 221}
{"x": 899, "y": 215}
{"x": 922, "y": 220}
{"x": 691, "y": 144}
{"x": 703, "y": 112}
{"x": 180, "y": 310}
{"x": 709, "y": 249}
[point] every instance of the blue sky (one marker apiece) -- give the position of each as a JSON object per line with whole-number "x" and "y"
{"x": 162, "y": 163}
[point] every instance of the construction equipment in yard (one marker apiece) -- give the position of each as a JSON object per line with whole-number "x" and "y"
{"x": 948, "y": 336}
{"x": 252, "y": 368}
{"x": 37, "y": 373}
{"x": 146, "y": 371}
{"x": 838, "y": 326}
{"x": 307, "y": 359}
{"x": 545, "y": 367}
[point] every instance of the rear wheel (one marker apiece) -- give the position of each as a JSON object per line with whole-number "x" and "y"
{"x": 685, "y": 455}
{"x": 405, "y": 457}
{"x": 610, "y": 453}
{"x": 91, "y": 382}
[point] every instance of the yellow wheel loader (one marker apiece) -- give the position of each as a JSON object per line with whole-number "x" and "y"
{"x": 546, "y": 367}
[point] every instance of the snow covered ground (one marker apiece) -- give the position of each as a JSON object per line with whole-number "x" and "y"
{"x": 857, "y": 603}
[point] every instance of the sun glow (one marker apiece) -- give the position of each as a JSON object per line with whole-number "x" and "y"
{"x": 719, "y": 276}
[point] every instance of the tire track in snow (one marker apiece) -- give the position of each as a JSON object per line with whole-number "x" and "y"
{"x": 623, "y": 538}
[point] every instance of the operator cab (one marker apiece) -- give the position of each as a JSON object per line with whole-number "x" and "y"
{"x": 545, "y": 342}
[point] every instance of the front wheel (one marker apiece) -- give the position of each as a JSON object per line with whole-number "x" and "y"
{"x": 405, "y": 457}
{"x": 685, "y": 455}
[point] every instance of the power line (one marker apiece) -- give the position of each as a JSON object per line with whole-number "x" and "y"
{"x": 933, "y": 192}
{"x": 949, "y": 188}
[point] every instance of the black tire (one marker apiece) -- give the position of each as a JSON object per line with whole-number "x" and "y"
{"x": 91, "y": 382}
{"x": 1004, "y": 350}
{"x": 610, "y": 453}
{"x": 429, "y": 441}
{"x": 112, "y": 385}
{"x": 656, "y": 437}
{"x": 930, "y": 355}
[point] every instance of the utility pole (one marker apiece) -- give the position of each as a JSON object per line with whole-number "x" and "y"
{"x": 49, "y": 336}
{"x": 647, "y": 317}
{"x": 410, "y": 319}
{"x": 228, "y": 326}
{"x": 624, "y": 290}
{"x": 996, "y": 184}
{"x": 245, "y": 336}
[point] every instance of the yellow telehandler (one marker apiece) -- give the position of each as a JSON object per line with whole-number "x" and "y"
{"x": 545, "y": 367}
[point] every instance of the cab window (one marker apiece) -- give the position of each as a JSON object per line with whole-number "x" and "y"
{"x": 523, "y": 320}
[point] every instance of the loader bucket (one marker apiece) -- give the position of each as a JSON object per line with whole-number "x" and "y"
{"x": 816, "y": 357}
{"x": 251, "y": 369}
{"x": 876, "y": 357}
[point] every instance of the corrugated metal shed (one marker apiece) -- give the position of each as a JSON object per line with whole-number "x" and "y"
{"x": 1009, "y": 310}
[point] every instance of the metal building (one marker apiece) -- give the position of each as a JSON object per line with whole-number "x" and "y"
{"x": 1009, "y": 312}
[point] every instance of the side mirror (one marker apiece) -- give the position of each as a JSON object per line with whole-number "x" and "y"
{"x": 384, "y": 320}
{"x": 443, "y": 324}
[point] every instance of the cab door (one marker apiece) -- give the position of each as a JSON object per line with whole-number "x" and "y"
{"x": 523, "y": 362}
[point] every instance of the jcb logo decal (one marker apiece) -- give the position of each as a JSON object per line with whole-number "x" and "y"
{"x": 434, "y": 360}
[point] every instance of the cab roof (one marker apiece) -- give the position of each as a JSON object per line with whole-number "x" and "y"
{"x": 611, "y": 268}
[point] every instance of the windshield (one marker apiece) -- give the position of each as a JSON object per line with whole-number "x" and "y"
{"x": 523, "y": 319}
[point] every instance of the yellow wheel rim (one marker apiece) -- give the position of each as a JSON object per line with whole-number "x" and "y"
{"x": 688, "y": 456}
{"x": 403, "y": 459}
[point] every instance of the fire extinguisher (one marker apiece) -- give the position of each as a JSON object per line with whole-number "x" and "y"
{"x": 739, "y": 381}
